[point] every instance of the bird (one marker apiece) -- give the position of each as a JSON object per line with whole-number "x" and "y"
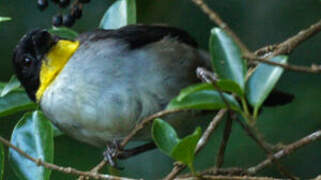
{"x": 99, "y": 86}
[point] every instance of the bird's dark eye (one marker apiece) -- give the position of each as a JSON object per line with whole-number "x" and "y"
{"x": 27, "y": 61}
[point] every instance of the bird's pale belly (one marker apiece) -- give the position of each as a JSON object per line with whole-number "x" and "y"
{"x": 104, "y": 99}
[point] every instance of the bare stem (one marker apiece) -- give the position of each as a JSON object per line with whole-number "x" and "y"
{"x": 286, "y": 151}
{"x": 291, "y": 43}
{"x": 138, "y": 127}
{"x": 216, "y": 18}
{"x": 266, "y": 149}
{"x": 316, "y": 69}
{"x": 201, "y": 143}
{"x": 66, "y": 170}
{"x": 211, "y": 177}
{"x": 226, "y": 136}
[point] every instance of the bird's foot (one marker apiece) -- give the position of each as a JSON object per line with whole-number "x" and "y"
{"x": 205, "y": 75}
{"x": 114, "y": 152}
{"x": 111, "y": 154}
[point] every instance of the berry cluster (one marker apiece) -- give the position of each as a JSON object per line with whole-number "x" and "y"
{"x": 69, "y": 19}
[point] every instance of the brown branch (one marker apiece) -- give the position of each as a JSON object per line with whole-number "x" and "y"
{"x": 96, "y": 169}
{"x": 66, "y": 170}
{"x": 146, "y": 121}
{"x": 211, "y": 177}
{"x": 210, "y": 78}
{"x": 286, "y": 151}
{"x": 266, "y": 149}
{"x": 232, "y": 171}
{"x": 291, "y": 43}
{"x": 201, "y": 143}
{"x": 226, "y": 136}
{"x": 313, "y": 69}
{"x": 216, "y": 18}
{"x": 138, "y": 127}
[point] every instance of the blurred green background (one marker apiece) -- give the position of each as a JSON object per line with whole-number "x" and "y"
{"x": 256, "y": 22}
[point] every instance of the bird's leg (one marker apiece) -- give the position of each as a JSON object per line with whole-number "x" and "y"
{"x": 205, "y": 75}
{"x": 136, "y": 150}
{"x": 114, "y": 152}
{"x": 111, "y": 153}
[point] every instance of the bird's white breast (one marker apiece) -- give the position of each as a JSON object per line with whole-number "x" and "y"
{"x": 105, "y": 88}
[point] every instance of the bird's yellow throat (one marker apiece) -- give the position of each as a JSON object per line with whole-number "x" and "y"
{"x": 54, "y": 62}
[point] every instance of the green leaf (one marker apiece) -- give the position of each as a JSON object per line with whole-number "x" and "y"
{"x": 13, "y": 84}
{"x": 164, "y": 136}
{"x": 56, "y": 131}
{"x": 227, "y": 57}
{"x": 34, "y": 135}
{"x": 64, "y": 32}
{"x": 194, "y": 88}
{"x": 204, "y": 100}
{"x": 15, "y": 101}
{"x": 1, "y": 161}
{"x": 166, "y": 139}
{"x": 184, "y": 149}
{"x": 121, "y": 13}
{"x": 230, "y": 86}
{"x": 2, "y": 19}
{"x": 263, "y": 80}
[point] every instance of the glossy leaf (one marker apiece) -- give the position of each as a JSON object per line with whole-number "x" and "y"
{"x": 227, "y": 57}
{"x": 64, "y": 32}
{"x": 56, "y": 131}
{"x": 13, "y": 84}
{"x": 2, "y": 19}
{"x": 263, "y": 80}
{"x": 205, "y": 100}
{"x": 34, "y": 135}
{"x": 194, "y": 88}
{"x": 15, "y": 101}
{"x": 184, "y": 149}
{"x": 230, "y": 86}
{"x": 1, "y": 161}
{"x": 121, "y": 13}
{"x": 164, "y": 136}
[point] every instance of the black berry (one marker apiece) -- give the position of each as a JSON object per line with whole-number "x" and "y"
{"x": 64, "y": 3}
{"x": 42, "y": 4}
{"x": 84, "y": 1}
{"x": 68, "y": 20}
{"x": 76, "y": 12}
{"x": 57, "y": 20}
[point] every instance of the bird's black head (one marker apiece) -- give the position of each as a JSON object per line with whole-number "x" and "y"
{"x": 28, "y": 56}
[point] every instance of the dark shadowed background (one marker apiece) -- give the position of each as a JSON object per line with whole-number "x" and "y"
{"x": 256, "y": 22}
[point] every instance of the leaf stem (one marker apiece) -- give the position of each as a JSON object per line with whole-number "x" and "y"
{"x": 255, "y": 113}
{"x": 245, "y": 108}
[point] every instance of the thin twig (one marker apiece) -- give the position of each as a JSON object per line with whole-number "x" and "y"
{"x": 210, "y": 177}
{"x": 138, "y": 127}
{"x": 216, "y": 18}
{"x": 313, "y": 69}
{"x": 291, "y": 43}
{"x": 231, "y": 171}
{"x": 201, "y": 143}
{"x": 66, "y": 170}
{"x": 226, "y": 136}
{"x": 278, "y": 155}
{"x": 286, "y": 151}
{"x": 146, "y": 121}
{"x": 250, "y": 132}
{"x": 210, "y": 78}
